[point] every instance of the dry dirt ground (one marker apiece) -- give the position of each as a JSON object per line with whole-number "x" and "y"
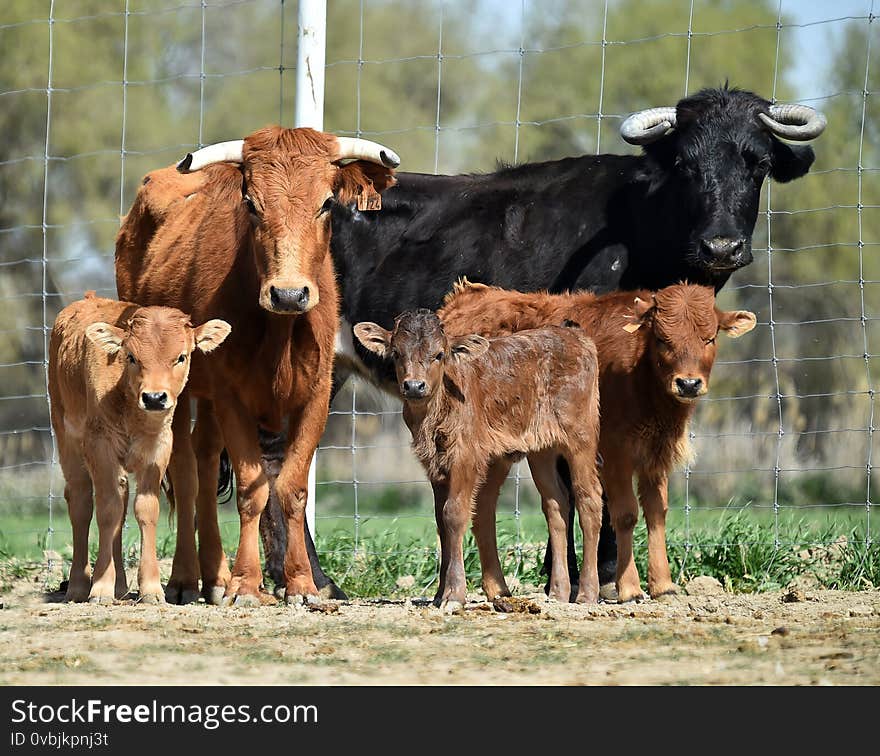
{"x": 794, "y": 638}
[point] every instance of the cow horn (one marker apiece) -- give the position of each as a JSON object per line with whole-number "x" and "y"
{"x": 351, "y": 148}
{"x": 800, "y": 123}
{"x": 647, "y": 126}
{"x": 222, "y": 152}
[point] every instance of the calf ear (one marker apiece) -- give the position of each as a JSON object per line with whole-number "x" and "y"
{"x": 373, "y": 337}
{"x": 736, "y": 322}
{"x": 107, "y": 337}
{"x": 641, "y": 309}
{"x": 210, "y": 335}
{"x": 790, "y": 161}
{"x": 468, "y": 347}
{"x": 363, "y": 182}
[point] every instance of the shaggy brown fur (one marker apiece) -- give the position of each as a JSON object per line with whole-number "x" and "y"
{"x": 115, "y": 374}
{"x": 223, "y": 243}
{"x": 473, "y": 408}
{"x": 656, "y": 351}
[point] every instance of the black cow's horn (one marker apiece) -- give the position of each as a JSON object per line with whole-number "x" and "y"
{"x": 648, "y": 126}
{"x": 352, "y": 148}
{"x": 222, "y": 152}
{"x": 797, "y": 122}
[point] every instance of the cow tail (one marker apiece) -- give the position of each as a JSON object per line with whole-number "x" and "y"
{"x": 168, "y": 488}
{"x": 224, "y": 479}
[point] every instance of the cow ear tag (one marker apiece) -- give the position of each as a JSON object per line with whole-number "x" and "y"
{"x": 369, "y": 199}
{"x": 632, "y": 327}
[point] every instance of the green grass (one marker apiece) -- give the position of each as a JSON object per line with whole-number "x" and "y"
{"x": 747, "y": 549}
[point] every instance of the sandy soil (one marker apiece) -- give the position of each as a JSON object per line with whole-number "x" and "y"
{"x": 793, "y": 638}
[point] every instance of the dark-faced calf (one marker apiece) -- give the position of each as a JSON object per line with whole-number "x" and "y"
{"x": 475, "y": 406}
{"x": 656, "y": 351}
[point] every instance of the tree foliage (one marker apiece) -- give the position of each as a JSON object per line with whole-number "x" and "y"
{"x": 134, "y": 91}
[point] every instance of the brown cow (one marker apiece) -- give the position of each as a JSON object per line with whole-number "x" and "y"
{"x": 116, "y": 371}
{"x": 656, "y": 351}
{"x": 474, "y": 407}
{"x": 247, "y": 240}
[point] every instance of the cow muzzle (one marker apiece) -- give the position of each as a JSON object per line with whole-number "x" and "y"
{"x": 688, "y": 389}
{"x": 155, "y": 401}
{"x": 288, "y": 300}
{"x": 414, "y": 389}
{"x": 724, "y": 253}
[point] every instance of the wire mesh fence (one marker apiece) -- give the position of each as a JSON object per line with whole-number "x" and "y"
{"x": 95, "y": 94}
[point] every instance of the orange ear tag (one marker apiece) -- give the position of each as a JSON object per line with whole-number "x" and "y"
{"x": 369, "y": 200}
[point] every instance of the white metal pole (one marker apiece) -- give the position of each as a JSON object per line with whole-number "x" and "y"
{"x": 309, "y": 111}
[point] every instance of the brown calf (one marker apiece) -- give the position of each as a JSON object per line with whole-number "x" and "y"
{"x": 116, "y": 372}
{"x": 656, "y": 352}
{"x": 474, "y": 407}
{"x": 247, "y": 239}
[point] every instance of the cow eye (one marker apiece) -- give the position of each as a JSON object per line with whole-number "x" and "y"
{"x": 249, "y": 203}
{"x": 438, "y": 356}
{"x": 131, "y": 359}
{"x": 710, "y": 341}
{"x": 325, "y": 208}
{"x": 181, "y": 359}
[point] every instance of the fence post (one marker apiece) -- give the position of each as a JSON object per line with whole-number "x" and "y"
{"x": 311, "y": 38}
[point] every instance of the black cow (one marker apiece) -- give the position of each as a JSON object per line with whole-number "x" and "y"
{"x": 685, "y": 209}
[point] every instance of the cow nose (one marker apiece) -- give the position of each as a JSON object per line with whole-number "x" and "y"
{"x": 414, "y": 389}
{"x": 154, "y": 400}
{"x": 720, "y": 249}
{"x": 689, "y": 387}
{"x": 289, "y": 300}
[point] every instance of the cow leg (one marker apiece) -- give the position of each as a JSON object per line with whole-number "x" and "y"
{"x": 587, "y": 492}
{"x": 441, "y": 494}
{"x": 653, "y": 497}
{"x": 183, "y": 585}
{"x": 121, "y": 588}
{"x": 624, "y": 509}
{"x": 78, "y": 493}
{"x": 110, "y": 484}
{"x": 146, "y": 511}
{"x": 607, "y": 555}
{"x": 485, "y": 534}
{"x": 607, "y": 552}
{"x": 240, "y": 434}
{"x": 455, "y": 515}
{"x": 571, "y": 552}
{"x": 207, "y": 440}
{"x": 306, "y": 426}
{"x": 555, "y": 503}
{"x": 273, "y": 528}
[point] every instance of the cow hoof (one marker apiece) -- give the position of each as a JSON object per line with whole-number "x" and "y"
{"x": 101, "y": 599}
{"x": 332, "y": 591}
{"x": 151, "y": 598}
{"x": 585, "y": 598}
{"x": 247, "y": 600}
{"x": 608, "y": 571}
{"x": 636, "y": 598}
{"x": 451, "y": 607}
{"x": 299, "y": 600}
{"x": 608, "y": 592}
{"x": 280, "y": 592}
{"x": 668, "y": 597}
{"x": 190, "y": 596}
{"x": 177, "y": 594}
{"x": 77, "y": 596}
{"x": 214, "y": 595}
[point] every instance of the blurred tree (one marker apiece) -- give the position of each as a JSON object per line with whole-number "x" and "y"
{"x": 386, "y": 59}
